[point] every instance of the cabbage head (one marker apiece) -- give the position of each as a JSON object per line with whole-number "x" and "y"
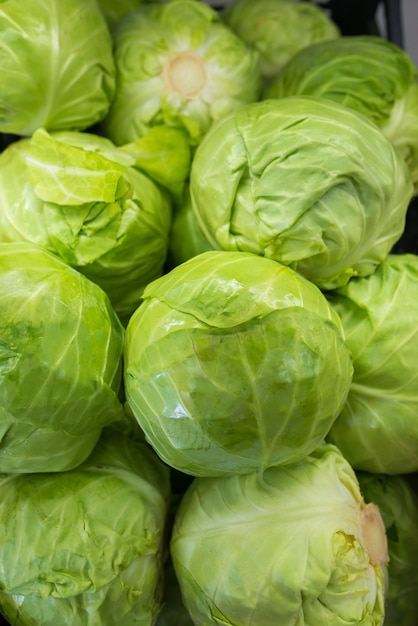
{"x": 83, "y": 199}
{"x": 85, "y": 547}
{"x": 290, "y": 545}
{"x": 366, "y": 73}
{"x": 56, "y": 64}
{"x": 60, "y": 362}
{"x": 233, "y": 363}
{"x": 278, "y": 29}
{"x": 398, "y": 505}
{"x": 305, "y": 181}
{"x": 178, "y": 65}
{"x": 377, "y": 429}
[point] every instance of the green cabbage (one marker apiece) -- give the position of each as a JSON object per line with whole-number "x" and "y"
{"x": 85, "y": 547}
{"x": 366, "y": 73}
{"x": 377, "y": 429}
{"x": 56, "y": 63}
{"x": 290, "y": 545}
{"x": 178, "y": 65}
{"x": 61, "y": 348}
{"x": 86, "y": 201}
{"x": 305, "y": 181}
{"x": 278, "y": 29}
{"x": 398, "y": 504}
{"x": 234, "y": 362}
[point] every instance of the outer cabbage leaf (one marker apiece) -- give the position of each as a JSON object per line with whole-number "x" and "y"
{"x": 234, "y": 362}
{"x": 60, "y": 362}
{"x": 81, "y": 198}
{"x": 402, "y": 129}
{"x": 278, "y": 29}
{"x": 305, "y": 181}
{"x": 164, "y": 155}
{"x": 377, "y": 429}
{"x": 178, "y": 65}
{"x": 94, "y": 539}
{"x": 291, "y": 545}
{"x": 398, "y": 504}
{"x": 64, "y": 174}
{"x": 366, "y": 73}
{"x": 57, "y": 65}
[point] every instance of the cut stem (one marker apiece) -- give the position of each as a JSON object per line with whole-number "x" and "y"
{"x": 185, "y": 74}
{"x": 374, "y": 533}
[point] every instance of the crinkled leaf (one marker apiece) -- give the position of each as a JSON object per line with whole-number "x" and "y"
{"x": 64, "y": 174}
{"x": 304, "y": 181}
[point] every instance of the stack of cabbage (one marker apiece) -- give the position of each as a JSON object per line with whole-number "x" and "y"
{"x": 209, "y": 397}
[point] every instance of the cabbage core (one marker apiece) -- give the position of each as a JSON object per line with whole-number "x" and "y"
{"x": 374, "y": 533}
{"x": 185, "y": 74}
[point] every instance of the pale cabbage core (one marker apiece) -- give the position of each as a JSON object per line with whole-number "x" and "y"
{"x": 185, "y": 74}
